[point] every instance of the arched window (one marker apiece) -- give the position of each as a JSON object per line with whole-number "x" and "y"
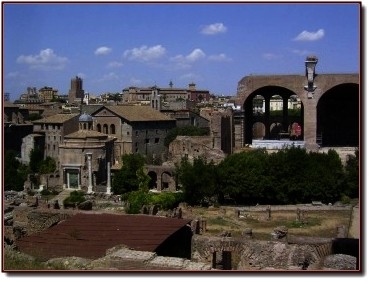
{"x": 105, "y": 129}
{"x": 112, "y": 129}
{"x": 99, "y": 127}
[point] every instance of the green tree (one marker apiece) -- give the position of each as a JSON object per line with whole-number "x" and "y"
{"x": 15, "y": 174}
{"x": 351, "y": 179}
{"x": 136, "y": 200}
{"x": 36, "y": 158}
{"x": 143, "y": 180}
{"x": 47, "y": 166}
{"x": 197, "y": 180}
{"x": 286, "y": 169}
{"x": 242, "y": 176}
{"x": 126, "y": 179}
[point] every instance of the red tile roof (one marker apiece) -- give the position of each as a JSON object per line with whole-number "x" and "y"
{"x": 89, "y": 235}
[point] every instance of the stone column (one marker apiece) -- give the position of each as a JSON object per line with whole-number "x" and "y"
{"x": 64, "y": 178}
{"x": 310, "y": 121}
{"x": 90, "y": 186}
{"x": 108, "y": 178}
{"x": 285, "y": 123}
{"x": 267, "y": 117}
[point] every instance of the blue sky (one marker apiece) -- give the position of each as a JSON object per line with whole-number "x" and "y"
{"x": 113, "y": 46}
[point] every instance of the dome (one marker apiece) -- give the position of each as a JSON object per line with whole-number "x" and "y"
{"x": 85, "y": 118}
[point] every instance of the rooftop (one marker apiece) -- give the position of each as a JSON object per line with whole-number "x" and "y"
{"x": 58, "y": 118}
{"x": 89, "y": 235}
{"x": 138, "y": 113}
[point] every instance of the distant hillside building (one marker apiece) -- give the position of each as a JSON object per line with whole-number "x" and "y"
{"x": 76, "y": 93}
{"x": 46, "y": 94}
{"x": 168, "y": 94}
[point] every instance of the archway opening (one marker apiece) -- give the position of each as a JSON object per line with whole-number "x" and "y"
{"x": 272, "y": 105}
{"x": 338, "y": 116}
{"x": 153, "y": 182}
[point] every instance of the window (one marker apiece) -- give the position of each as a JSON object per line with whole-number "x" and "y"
{"x": 99, "y": 127}
{"x": 113, "y": 129}
{"x": 128, "y": 133}
{"x": 147, "y": 140}
{"x": 157, "y": 140}
{"x": 136, "y": 133}
{"x": 105, "y": 128}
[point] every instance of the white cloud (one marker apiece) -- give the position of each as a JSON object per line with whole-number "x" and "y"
{"x": 45, "y": 60}
{"x": 190, "y": 77}
{"x": 115, "y": 65}
{"x": 271, "y": 56}
{"x": 195, "y": 55}
{"x": 214, "y": 29}
{"x": 310, "y": 36}
{"x": 102, "y": 50}
{"x": 301, "y": 52}
{"x": 135, "y": 81}
{"x": 144, "y": 53}
{"x": 109, "y": 77}
{"x": 13, "y": 75}
{"x": 185, "y": 61}
{"x": 220, "y": 58}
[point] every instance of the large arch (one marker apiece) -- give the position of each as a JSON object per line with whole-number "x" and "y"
{"x": 338, "y": 116}
{"x": 259, "y": 109}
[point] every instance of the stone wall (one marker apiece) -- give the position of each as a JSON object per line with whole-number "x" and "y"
{"x": 249, "y": 254}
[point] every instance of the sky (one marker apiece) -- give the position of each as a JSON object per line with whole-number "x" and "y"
{"x": 112, "y": 46}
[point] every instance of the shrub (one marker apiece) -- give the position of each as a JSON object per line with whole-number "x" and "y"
{"x": 166, "y": 200}
{"x": 345, "y": 200}
{"x": 75, "y": 198}
{"x": 136, "y": 199}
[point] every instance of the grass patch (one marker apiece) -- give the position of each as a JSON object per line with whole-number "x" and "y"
{"x": 16, "y": 261}
{"x": 318, "y": 223}
{"x": 307, "y": 223}
{"x": 218, "y": 221}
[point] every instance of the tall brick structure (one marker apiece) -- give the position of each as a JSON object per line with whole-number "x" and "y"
{"x": 76, "y": 93}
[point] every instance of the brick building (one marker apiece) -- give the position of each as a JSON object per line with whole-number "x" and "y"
{"x": 86, "y": 157}
{"x": 138, "y": 129}
{"x": 168, "y": 94}
{"x": 76, "y": 93}
{"x": 55, "y": 128}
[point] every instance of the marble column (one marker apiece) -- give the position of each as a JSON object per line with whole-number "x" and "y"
{"x": 90, "y": 177}
{"x": 108, "y": 178}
